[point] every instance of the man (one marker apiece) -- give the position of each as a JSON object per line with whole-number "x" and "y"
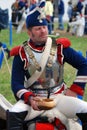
{"x": 61, "y": 12}
{"x": 33, "y": 4}
{"x": 49, "y": 13}
{"x": 30, "y": 81}
{"x": 25, "y": 8}
{"x": 78, "y": 25}
{"x": 22, "y": 8}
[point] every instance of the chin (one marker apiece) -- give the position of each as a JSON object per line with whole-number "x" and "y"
{"x": 44, "y": 39}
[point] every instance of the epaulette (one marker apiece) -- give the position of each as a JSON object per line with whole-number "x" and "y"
{"x": 64, "y": 41}
{"x": 15, "y": 51}
{"x": 19, "y": 50}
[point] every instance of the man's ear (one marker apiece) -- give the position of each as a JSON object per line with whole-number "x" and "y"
{"x": 28, "y": 32}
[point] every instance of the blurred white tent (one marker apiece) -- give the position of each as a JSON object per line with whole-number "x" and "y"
{"x": 6, "y": 4}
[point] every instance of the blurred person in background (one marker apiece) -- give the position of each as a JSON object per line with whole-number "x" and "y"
{"x": 78, "y": 25}
{"x": 33, "y": 4}
{"x": 25, "y": 7}
{"x": 22, "y": 8}
{"x": 69, "y": 12}
{"x": 61, "y": 10}
{"x": 49, "y": 14}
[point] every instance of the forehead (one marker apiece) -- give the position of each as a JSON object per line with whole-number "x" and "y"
{"x": 38, "y": 27}
{"x": 33, "y": 1}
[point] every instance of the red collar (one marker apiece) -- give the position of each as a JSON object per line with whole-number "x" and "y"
{"x": 38, "y": 48}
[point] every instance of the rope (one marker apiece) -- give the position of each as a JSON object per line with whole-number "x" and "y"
{"x": 6, "y": 61}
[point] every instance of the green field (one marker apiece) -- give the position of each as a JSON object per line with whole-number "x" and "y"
{"x": 78, "y": 43}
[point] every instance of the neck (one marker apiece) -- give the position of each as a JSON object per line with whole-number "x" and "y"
{"x": 37, "y": 44}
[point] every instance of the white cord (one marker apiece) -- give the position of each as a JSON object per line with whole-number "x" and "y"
{"x": 6, "y": 61}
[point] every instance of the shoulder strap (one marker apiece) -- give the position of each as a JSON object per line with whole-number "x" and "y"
{"x": 31, "y": 55}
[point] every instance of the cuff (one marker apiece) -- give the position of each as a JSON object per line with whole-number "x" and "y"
{"x": 77, "y": 89}
{"x": 26, "y": 96}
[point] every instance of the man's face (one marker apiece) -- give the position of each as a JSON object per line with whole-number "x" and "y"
{"x": 33, "y": 1}
{"x": 38, "y": 34}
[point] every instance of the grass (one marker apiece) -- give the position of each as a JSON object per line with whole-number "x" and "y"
{"x": 78, "y": 43}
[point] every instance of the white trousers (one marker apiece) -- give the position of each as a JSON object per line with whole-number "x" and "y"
{"x": 67, "y": 105}
{"x": 79, "y": 25}
{"x": 21, "y": 23}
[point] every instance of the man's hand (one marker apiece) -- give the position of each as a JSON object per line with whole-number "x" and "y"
{"x": 33, "y": 102}
{"x": 38, "y": 103}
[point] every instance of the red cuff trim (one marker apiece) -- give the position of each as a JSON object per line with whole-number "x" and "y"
{"x": 77, "y": 89}
{"x": 26, "y": 96}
